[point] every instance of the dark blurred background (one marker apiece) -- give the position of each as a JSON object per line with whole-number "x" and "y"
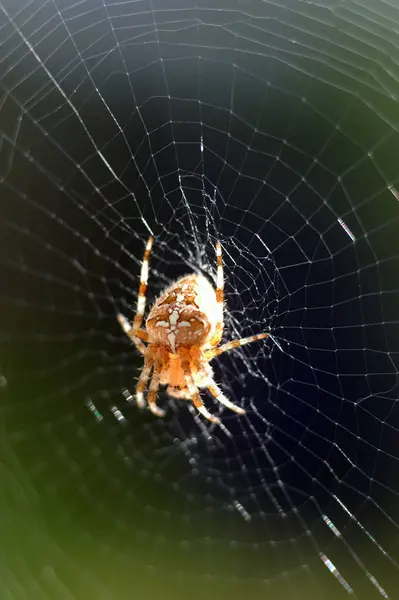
{"x": 272, "y": 127}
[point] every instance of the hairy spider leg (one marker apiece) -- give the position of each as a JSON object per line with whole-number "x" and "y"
{"x": 220, "y": 397}
{"x": 217, "y": 336}
{"x": 142, "y": 382}
{"x": 141, "y": 298}
{"x": 209, "y": 354}
{"x": 194, "y": 393}
{"x": 202, "y": 365}
{"x": 136, "y": 334}
{"x": 153, "y": 390}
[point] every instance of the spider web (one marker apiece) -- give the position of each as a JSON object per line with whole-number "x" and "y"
{"x": 273, "y": 127}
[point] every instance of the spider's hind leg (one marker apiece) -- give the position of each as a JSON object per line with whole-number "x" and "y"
{"x": 137, "y": 336}
{"x": 218, "y": 333}
{"x": 141, "y": 298}
{"x": 134, "y": 332}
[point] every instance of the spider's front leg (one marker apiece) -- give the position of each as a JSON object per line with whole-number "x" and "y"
{"x": 153, "y": 390}
{"x": 220, "y": 397}
{"x": 194, "y": 393}
{"x": 215, "y": 390}
{"x": 143, "y": 379}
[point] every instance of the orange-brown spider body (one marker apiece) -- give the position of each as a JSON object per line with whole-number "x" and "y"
{"x": 182, "y": 330}
{"x": 179, "y": 316}
{"x": 180, "y": 322}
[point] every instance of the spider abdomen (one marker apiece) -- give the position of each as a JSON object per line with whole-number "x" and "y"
{"x": 175, "y": 326}
{"x": 178, "y": 317}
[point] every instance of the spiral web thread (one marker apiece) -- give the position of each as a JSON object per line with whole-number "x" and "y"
{"x": 272, "y": 127}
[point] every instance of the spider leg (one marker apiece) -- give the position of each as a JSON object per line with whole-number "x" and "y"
{"x": 138, "y": 335}
{"x": 215, "y": 390}
{"x": 194, "y": 394}
{"x": 142, "y": 382}
{"x": 217, "y": 336}
{"x": 135, "y": 333}
{"x": 153, "y": 390}
{"x": 220, "y": 397}
{"x": 209, "y": 354}
{"x": 141, "y": 298}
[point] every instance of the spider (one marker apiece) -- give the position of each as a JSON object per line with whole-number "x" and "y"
{"x": 183, "y": 330}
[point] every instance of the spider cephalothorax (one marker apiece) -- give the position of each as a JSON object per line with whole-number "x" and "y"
{"x": 183, "y": 330}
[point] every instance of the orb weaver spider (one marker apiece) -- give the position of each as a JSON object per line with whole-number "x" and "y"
{"x": 183, "y": 331}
